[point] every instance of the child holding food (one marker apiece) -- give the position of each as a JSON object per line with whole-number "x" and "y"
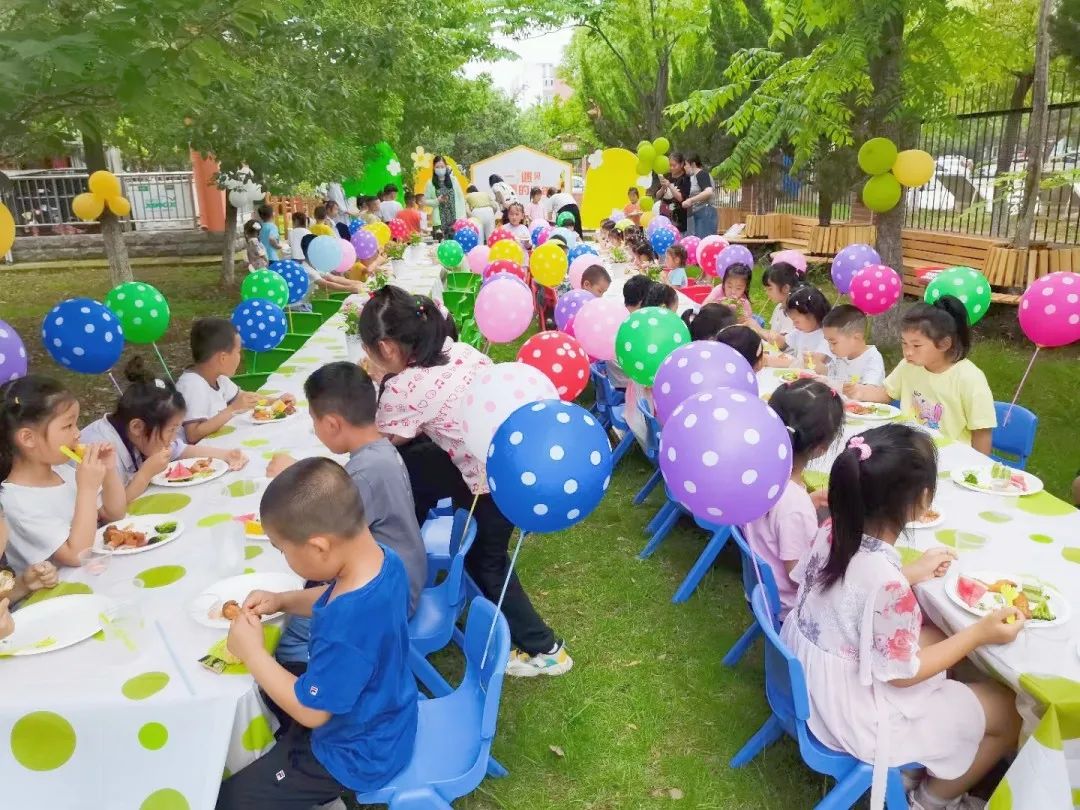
{"x": 212, "y": 398}
{"x": 853, "y": 361}
{"x": 814, "y": 416}
{"x": 806, "y": 344}
{"x": 51, "y": 509}
{"x": 877, "y": 674}
{"x": 780, "y": 280}
{"x": 354, "y": 711}
{"x": 935, "y": 381}
{"x": 14, "y": 588}
{"x": 734, "y": 291}
{"x": 144, "y": 431}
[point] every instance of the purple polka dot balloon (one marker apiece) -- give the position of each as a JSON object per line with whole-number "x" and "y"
{"x": 568, "y": 306}
{"x": 850, "y": 259}
{"x": 725, "y": 456}
{"x": 733, "y": 254}
{"x": 703, "y": 365}
{"x": 12, "y": 354}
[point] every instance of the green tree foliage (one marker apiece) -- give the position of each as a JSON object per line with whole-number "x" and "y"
{"x": 551, "y": 125}
{"x": 480, "y": 120}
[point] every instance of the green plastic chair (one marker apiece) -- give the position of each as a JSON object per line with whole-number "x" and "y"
{"x": 339, "y": 296}
{"x": 460, "y": 303}
{"x": 291, "y": 342}
{"x": 268, "y": 362}
{"x": 463, "y": 281}
{"x": 304, "y": 323}
{"x": 326, "y": 306}
{"x": 693, "y": 271}
{"x": 251, "y": 382}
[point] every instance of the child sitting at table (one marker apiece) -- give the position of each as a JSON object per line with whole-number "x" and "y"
{"x": 644, "y": 257}
{"x": 875, "y": 672}
{"x": 15, "y": 588}
{"x": 354, "y": 710}
{"x": 734, "y": 291}
{"x": 935, "y": 381}
{"x": 780, "y": 280}
{"x": 674, "y": 272}
{"x": 814, "y": 415}
{"x": 595, "y": 280}
{"x": 144, "y": 431}
{"x": 806, "y": 344}
{"x": 745, "y": 341}
{"x": 212, "y": 398}
{"x": 853, "y": 361}
{"x": 662, "y": 295}
{"x": 51, "y": 509}
{"x": 709, "y": 321}
{"x": 515, "y": 223}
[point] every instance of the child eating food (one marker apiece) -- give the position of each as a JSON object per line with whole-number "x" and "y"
{"x": 806, "y": 344}
{"x": 734, "y": 291}
{"x": 853, "y": 361}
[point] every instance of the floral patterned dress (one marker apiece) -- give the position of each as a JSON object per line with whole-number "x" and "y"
{"x": 855, "y": 637}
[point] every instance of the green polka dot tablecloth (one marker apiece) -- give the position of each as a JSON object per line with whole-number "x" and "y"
{"x": 1036, "y": 535}
{"x": 99, "y": 726}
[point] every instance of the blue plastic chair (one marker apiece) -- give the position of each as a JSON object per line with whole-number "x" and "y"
{"x": 1014, "y": 435}
{"x": 454, "y": 734}
{"x": 718, "y": 537}
{"x": 441, "y": 533}
{"x": 751, "y": 581}
{"x": 610, "y": 409}
{"x": 785, "y": 688}
{"x": 652, "y": 449}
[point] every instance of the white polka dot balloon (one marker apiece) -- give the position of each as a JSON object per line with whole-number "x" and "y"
{"x": 494, "y": 394}
{"x": 1049, "y": 310}
{"x": 703, "y": 365}
{"x": 725, "y": 456}
{"x": 504, "y": 308}
{"x": 549, "y": 466}
{"x": 83, "y": 335}
{"x": 875, "y": 288}
{"x": 596, "y": 325}
{"x": 12, "y": 354}
{"x": 261, "y": 324}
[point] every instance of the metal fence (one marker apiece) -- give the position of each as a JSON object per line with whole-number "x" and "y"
{"x": 40, "y": 201}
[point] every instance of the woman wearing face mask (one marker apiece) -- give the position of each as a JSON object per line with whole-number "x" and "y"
{"x": 445, "y": 199}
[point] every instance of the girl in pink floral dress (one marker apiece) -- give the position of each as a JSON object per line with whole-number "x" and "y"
{"x": 874, "y": 672}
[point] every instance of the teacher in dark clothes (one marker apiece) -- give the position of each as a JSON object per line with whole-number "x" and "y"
{"x": 673, "y": 189}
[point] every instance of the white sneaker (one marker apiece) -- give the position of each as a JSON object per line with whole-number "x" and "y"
{"x": 336, "y": 804}
{"x": 523, "y": 665}
{"x": 963, "y": 802}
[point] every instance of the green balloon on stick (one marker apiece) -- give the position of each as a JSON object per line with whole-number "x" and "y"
{"x": 141, "y": 309}
{"x": 265, "y": 284}
{"x": 966, "y": 284}
{"x": 645, "y": 339}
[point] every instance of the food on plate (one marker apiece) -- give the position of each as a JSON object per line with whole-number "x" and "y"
{"x": 266, "y": 411}
{"x": 7, "y": 581}
{"x": 929, "y": 516}
{"x": 793, "y": 374}
{"x": 180, "y": 472}
{"x": 971, "y": 478}
{"x": 866, "y": 409}
{"x": 230, "y": 610}
{"x": 166, "y": 528}
{"x": 117, "y": 536}
{"x": 971, "y": 591}
{"x": 253, "y": 526}
{"x": 1031, "y": 599}
{"x": 1002, "y": 479}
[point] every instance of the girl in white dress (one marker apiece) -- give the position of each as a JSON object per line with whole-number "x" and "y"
{"x": 875, "y": 674}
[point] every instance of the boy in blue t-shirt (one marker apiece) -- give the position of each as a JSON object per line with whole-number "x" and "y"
{"x": 269, "y": 234}
{"x": 355, "y": 709}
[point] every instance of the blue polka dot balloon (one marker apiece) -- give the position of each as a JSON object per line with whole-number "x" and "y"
{"x": 467, "y": 238}
{"x": 83, "y": 335}
{"x": 581, "y": 250}
{"x": 567, "y": 235}
{"x": 295, "y": 276}
{"x": 260, "y": 323}
{"x": 548, "y": 466}
{"x": 539, "y": 233}
{"x": 354, "y": 226}
{"x": 661, "y": 239}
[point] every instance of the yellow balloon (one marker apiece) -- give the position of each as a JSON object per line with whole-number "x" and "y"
{"x": 322, "y": 229}
{"x": 105, "y": 184}
{"x": 913, "y": 167}
{"x": 548, "y": 264}
{"x": 507, "y": 249}
{"x": 646, "y": 218}
{"x": 380, "y": 231}
{"x": 88, "y": 207}
{"x": 119, "y": 206}
{"x": 7, "y": 230}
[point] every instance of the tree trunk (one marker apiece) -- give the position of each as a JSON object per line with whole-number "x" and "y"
{"x": 660, "y": 96}
{"x": 228, "y": 249}
{"x": 999, "y": 217}
{"x": 1036, "y": 143}
{"x": 824, "y": 209}
{"x": 112, "y": 233}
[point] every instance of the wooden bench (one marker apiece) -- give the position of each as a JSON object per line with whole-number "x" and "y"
{"x": 939, "y": 248}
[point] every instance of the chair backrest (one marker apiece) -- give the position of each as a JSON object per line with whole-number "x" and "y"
{"x": 460, "y": 303}
{"x": 652, "y": 429}
{"x": 750, "y": 576}
{"x": 489, "y": 677}
{"x": 461, "y": 540}
{"x": 598, "y": 375}
{"x": 463, "y": 281}
{"x": 1014, "y": 435}
{"x": 785, "y": 683}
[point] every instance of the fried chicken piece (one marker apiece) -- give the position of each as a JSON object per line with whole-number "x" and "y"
{"x": 230, "y": 610}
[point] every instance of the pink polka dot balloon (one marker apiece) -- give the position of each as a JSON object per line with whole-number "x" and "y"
{"x": 504, "y": 309}
{"x": 578, "y": 266}
{"x": 708, "y": 251}
{"x": 691, "y": 244}
{"x": 496, "y": 393}
{"x": 478, "y": 258}
{"x": 725, "y": 456}
{"x": 597, "y": 323}
{"x": 1049, "y": 310}
{"x": 875, "y": 288}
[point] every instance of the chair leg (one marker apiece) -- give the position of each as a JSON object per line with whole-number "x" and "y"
{"x": 650, "y": 485}
{"x": 622, "y": 447}
{"x": 848, "y": 790}
{"x": 495, "y": 770}
{"x": 765, "y": 736}
{"x": 704, "y": 563}
{"x": 424, "y": 672}
{"x": 658, "y": 518}
{"x": 661, "y": 532}
{"x": 740, "y": 647}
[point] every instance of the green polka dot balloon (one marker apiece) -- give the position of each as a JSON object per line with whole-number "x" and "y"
{"x": 265, "y": 284}
{"x": 645, "y": 339}
{"x": 141, "y": 309}
{"x": 965, "y": 283}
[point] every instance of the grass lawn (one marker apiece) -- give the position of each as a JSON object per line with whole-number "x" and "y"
{"x": 648, "y": 716}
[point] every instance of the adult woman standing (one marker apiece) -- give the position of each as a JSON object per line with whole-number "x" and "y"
{"x": 445, "y": 199}
{"x": 673, "y": 189}
{"x": 700, "y": 213}
{"x": 483, "y": 209}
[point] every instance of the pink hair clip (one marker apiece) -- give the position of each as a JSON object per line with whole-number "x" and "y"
{"x": 859, "y": 443}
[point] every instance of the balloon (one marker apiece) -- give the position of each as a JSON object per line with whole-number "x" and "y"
{"x": 661, "y": 240}
{"x": 877, "y": 155}
{"x": 597, "y": 323}
{"x": 646, "y": 153}
{"x": 498, "y": 235}
{"x": 733, "y": 254}
{"x": 260, "y": 323}
{"x": 882, "y": 193}
{"x": 565, "y": 219}
{"x": 539, "y": 234}
{"x": 399, "y": 231}
{"x": 548, "y": 265}
{"x": 118, "y": 205}
{"x": 581, "y": 249}
{"x": 796, "y": 258}
{"x": 459, "y": 224}
{"x": 506, "y": 266}
{"x": 696, "y": 367}
{"x": 265, "y": 284}
{"x": 645, "y": 339}
{"x": 548, "y": 466}
{"x": 365, "y": 244}
{"x": 578, "y": 266}
{"x": 478, "y": 258}
{"x": 324, "y": 253}
{"x": 504, "y": 309}
{"x": 321, "y": 229}
{"x": 507, "y": 249}
{"x": 644, "y": 167}
{"x": 966, "y": 284}
{"x": 305, "y": 243}
{"x": 561, "y": 358}
{"x": 141, "y": 309}
{"x": 568, "y": 305}
{"x": 655, "y": 223}
{"x": 83, "y": 335}
{"x": 450, "y": 254}
{"x": 848, "y": 260}
{"x": 354, "y": 226}
{"x": 474, "y": 225}
{"x": 88, "y": 207}
{"x": 7, "y": 229}
{"x": 295, "y": 275}
{"x": 647, "y": 218}
{"x": 876, "y": 288}
{"x": 1049, "y": 310}
{"x": 104, "y": 184}
{"x": 691, "y": 244}
{"x": 661, "y": 164}
{"x": 661, "y": 145}
{"x": 467, "y": 238}
{"x": 708, "y": 251}
{"x": 13, "y": 354}
{"x": 568, "y": 236}
{"x": 380, "y": 231}
{"x": 646, "y": 203}
{"x": 237, "y": 198}
{"x": 725, "y": 456}
{"x": 913, "y": 167}
{"x": 348, "y": 257}
{"x": 494, "y": 394}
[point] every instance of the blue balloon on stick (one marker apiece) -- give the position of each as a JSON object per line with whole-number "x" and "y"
{"x": 354, "y": 226}
{"x": 295, "y": 276}
{"x": 261, "y": 324}
{"x": 537, "y": 233}
{"x": 548, "y": 465}
{"x": 467, "y": 238}
{"x": 83, "y": 335}
{"x": 661, "y": 240}
{"x": 581, "y": 250}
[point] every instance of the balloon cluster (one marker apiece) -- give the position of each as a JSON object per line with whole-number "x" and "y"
{"x": 652, "y": 157}
{"x": 104, "y": 191}
{"x": 890, "y": 171}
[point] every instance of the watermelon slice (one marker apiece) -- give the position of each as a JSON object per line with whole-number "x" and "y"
{"x": 970, "y": 590}
{"x": 178, "y": 472}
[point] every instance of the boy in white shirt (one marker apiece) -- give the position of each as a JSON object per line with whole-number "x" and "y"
{"x": 297, "y": 233}
{"x": 853, "y": 361}
{"x": 389, "y": 207}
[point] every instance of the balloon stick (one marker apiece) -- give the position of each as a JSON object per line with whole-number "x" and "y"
{"x": 116, "y": 385}
{"x": 502, "y": 595}
{"x": 761, "y": 582}
{"x": 254, "y": 360}
{"x": 290, "y": 321}
{"x": 1020, "y": 386}
{"x": 164, "y": 365}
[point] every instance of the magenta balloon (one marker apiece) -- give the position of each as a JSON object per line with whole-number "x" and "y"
{"x": 725, "y": 456}
{"x": 365, "y": 244}
{"x": 504, "y": 309}
{"x": 733, "y": 254}
{"x": 848, "y": 260}
{"x": 876, "y": 288}
{"x": 1049, "y": 311}
{"x": 478, "y": 258}
{"x": 699, "y": 366}
{"x": 597, "y": 323}
{"x": 691, "y": 244}
{"x": 708, "y": 250}
{"x": 348, "y": 257}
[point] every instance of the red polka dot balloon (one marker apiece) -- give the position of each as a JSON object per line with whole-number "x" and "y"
{"x": 459, "y": 224}
{"x": 562, "y": 360}
{"x": 498, "y": 235}
{"x": 399, "y": 231}
{"x": 506, "y": 266}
